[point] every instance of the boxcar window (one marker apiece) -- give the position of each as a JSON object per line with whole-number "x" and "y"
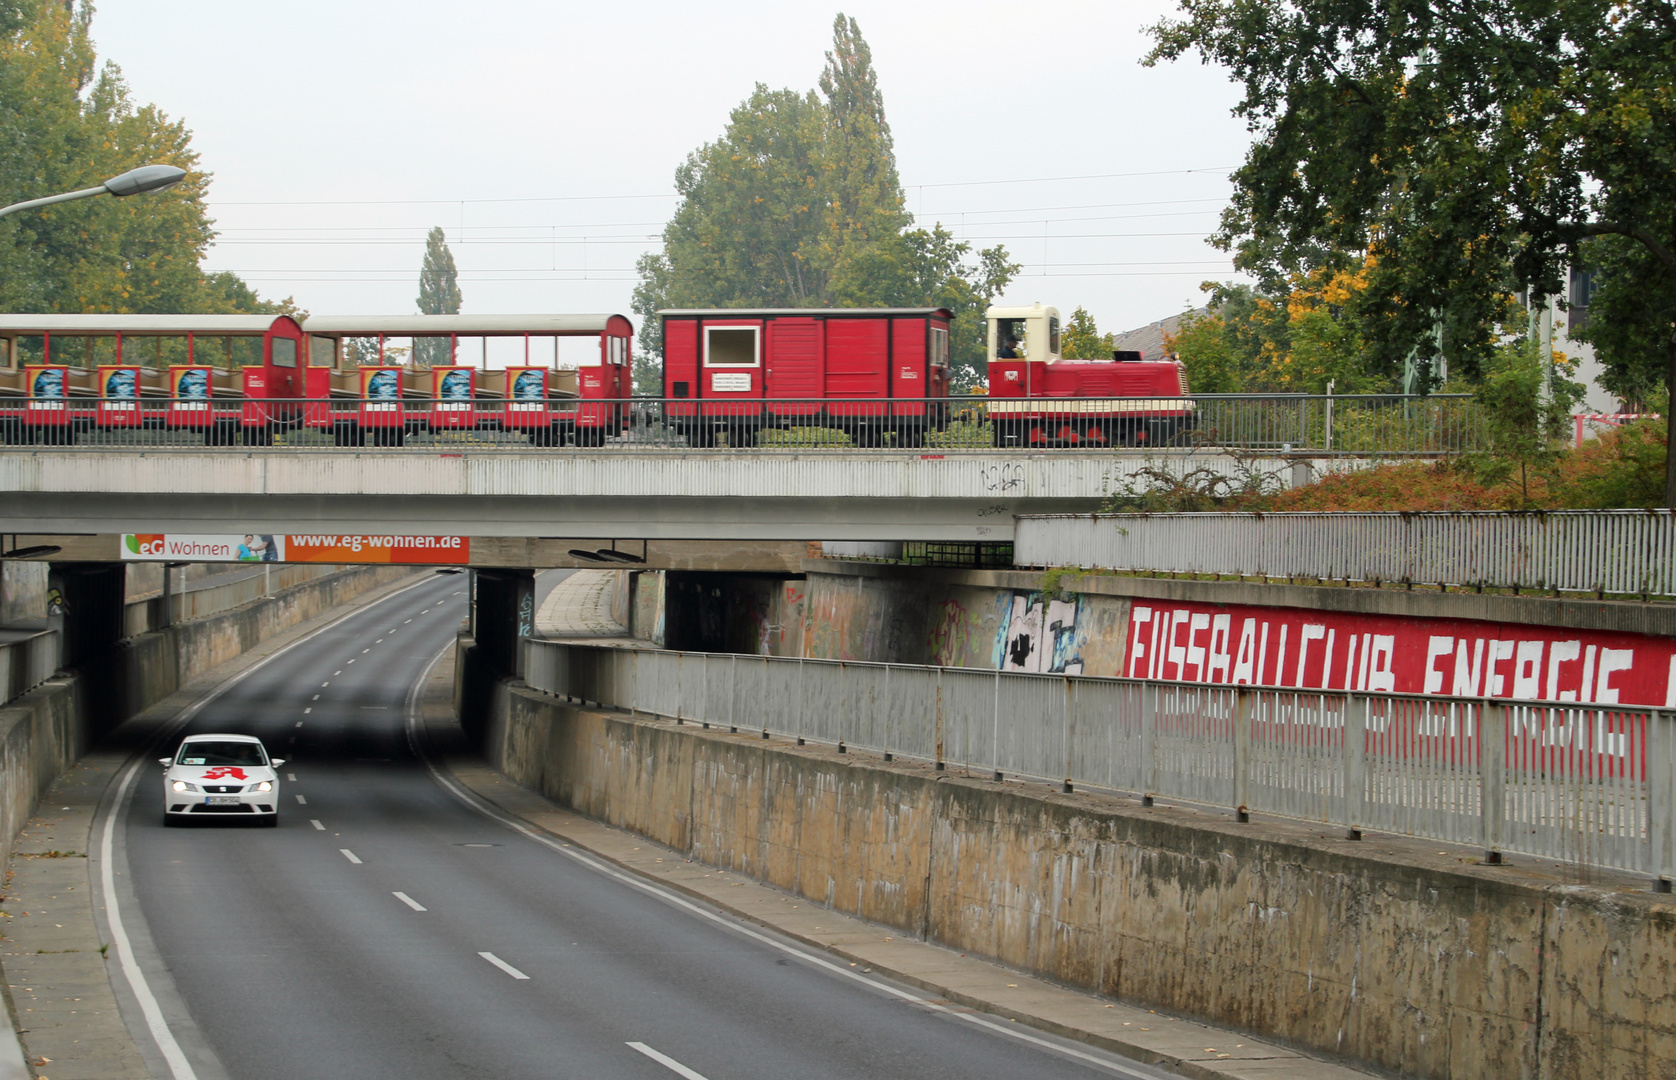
{"x": 285, "y": 352}
{"x": 939, "y": 347}
{"x": 322, "y": 351}
{"x": 730, "y": 346}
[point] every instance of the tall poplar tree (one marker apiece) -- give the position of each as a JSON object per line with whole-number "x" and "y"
{"x": 439, "y": 294}
{"x": 799, "y": 204}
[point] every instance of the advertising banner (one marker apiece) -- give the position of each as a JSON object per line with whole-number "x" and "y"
{"x": 381, "y": 383}
{"x": 119, "y": 394}
{"x": 1306, "y": 649}
{"x": 190, "y": 383}
{"x": 453, "y": 383}
{"x": 526, "y": 383}
{"x": 45, "y": 381}
{"x": 265, "y": 547}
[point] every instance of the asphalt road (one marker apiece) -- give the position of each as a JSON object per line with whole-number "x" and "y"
{"x": 386, "y": 929}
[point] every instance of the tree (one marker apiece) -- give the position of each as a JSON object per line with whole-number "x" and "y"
{"x": 1471, "y": 148}
{"x": 439, "y": 294}
{"x": 799, "y": 204}
{"x": 66, "y": 123}
{"x": 1081, "y": 339}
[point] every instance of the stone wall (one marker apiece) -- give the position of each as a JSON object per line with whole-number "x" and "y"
{"x": 1383, "y": 952}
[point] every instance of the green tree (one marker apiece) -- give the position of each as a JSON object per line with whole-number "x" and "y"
{"x": 1471, "y": 148}
{"x": 1081, "y": 339}
{"x": 66, "y": 123}
{"x": 439, "y": 294}
{"x": 799, "y": 204}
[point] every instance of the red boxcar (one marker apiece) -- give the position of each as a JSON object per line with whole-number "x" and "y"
{"x": 869, "y": 372}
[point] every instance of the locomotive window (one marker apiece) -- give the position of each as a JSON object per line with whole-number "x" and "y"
{"x": 322, "y": 351}
{"x": 1053, "y": 335}
{"x": 1009, "y": 339}
{"x": 939, "y": 347}
{"x": 730, "y": 346}
{"x": 285, "y": 352}
{"x": 617, "y": 350}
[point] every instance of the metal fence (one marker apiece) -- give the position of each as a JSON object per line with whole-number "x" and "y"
{"x": 1296, "y": 423}
{"x": 1623, "y": 552}
{"x": 1587, "y": 785}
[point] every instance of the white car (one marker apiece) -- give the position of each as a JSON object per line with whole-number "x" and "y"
{"x": 221, "y": 775}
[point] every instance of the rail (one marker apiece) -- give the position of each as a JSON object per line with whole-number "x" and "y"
{"x": 1591, "y": 785}
{"x": 1619, "y": 552}
{"x": 1298, "y": 424}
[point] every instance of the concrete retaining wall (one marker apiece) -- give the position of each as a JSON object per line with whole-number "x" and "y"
{"x": 48, "y": 729}
{"x": 1384, "y": 953}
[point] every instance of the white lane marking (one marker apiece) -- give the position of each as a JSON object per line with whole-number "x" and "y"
{"x": 316, "y": 697}
{"x": 391, "y": 630}
{"x": 667, "y": 1062}
{"x": 299, "y": 723}
{"x": 351, "y": 661}
{"x": 350, "y": 855}
{"x": 427, "y": 611}
{"x": 301, "y": 801}
{"x": 409, "y": 901}
{"x": 380, "y": 641}
{"x": 328, "y": 682}
{"x": 406, "y": 621}
{"x": 503, "y": 965}
{"x": 363, "y": 653}
{"x": 173, "y": 1056}
{"x": 306, "y": 711}
{"x": 291, "y": 776}
{"x": 317, "y": 826}
{"x": 674, "y": 899}
{"x": 335, "y": 674}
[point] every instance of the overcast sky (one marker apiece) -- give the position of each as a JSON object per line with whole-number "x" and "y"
{"x": 543, "y": 137}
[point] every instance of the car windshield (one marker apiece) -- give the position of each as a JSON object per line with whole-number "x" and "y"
{"x": 221, "y": 753}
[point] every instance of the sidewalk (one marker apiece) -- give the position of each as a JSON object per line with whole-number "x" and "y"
{"x": 1192, "y": 1049}
{"x": 579, "y": 609}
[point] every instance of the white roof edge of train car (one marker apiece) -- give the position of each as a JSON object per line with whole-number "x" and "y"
{"x": 751, "y": 313}
{"x": 423, "y": 325}
{"x": 1034, "y": 310}
{"x": 139, "y": 324}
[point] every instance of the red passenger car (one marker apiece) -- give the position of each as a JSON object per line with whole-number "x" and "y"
{"x": 866, "y": 371}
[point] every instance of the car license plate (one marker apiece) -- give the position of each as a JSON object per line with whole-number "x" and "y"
{"x": 221, "y": 800}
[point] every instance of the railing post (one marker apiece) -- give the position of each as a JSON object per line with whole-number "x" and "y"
{"x": 732, "y": 683}
{"x": 1661, "y": 798}
{"x": 1149, "y": 742}
{"x": 995, "y": 737}
{"x": 1070, "y": 728}
{"x": 1355, "y": 763}
{"x": 1242, "y": 754}
{"x": 1492, "y": 778}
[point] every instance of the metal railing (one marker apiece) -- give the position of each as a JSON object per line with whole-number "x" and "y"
{"x": 1584, "y": 784}
{"x": 1301, "y": 424}
{"x": 1622, "y": 552}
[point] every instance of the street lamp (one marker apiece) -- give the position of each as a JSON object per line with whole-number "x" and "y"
{"x": 133, "y": 182}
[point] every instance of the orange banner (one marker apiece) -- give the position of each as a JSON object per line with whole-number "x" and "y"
{"x": 423, "y": 550}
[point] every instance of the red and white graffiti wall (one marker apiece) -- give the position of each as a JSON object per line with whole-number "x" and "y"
{"x": 1259, "y": 646}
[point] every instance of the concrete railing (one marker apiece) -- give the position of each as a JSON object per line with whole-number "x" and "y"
{"x": 27, "y": 663}
{"x": 1589, "y": 785}
{"x": 1623, "y": 552}
{"x": 147, "y": 614}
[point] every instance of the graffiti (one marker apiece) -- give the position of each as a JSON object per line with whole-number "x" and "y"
{"x": 994, "y": 510}
{"x": 1037, "y": 637}
{"x": 526, "y": 615}
{"x": 1004, "y": 477}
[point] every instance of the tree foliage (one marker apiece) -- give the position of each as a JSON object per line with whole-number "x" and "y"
{"x": 65, "y": 124}
{"x": 799, "y": 204}
{"x": 439, "y": 294}
{"x": 1081, "y": 338}
{"x": 1471, "y": 147}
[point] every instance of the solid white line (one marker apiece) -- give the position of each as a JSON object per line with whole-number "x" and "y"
{"x": 173, "y": 1056}
{"x": 503, "y": 965}
{"x": 350, "y": 855}
{"x": 409, "y": 901}
{"x": 675, "y": 899}
{"x": 316, "y": 823}
{"x": 667, "y": 1062}
{"x": 301, "y": 801}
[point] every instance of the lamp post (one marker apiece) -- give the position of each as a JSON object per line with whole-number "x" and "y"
{"x": 133, "y": 182}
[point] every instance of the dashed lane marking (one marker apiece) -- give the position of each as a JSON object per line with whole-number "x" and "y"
{"x": 350, "y": 855}
{"x": 301, "y": 801}
{"x": 317, "y": 826}
{"x": 409, "y": 901}
{"x": 666, "y": 1061}
{"x": 504, "y": 966}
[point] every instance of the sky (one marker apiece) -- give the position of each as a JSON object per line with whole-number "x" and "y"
{"x": 544, "y": 137}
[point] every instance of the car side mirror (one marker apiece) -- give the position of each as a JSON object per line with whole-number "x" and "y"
{"x": 163, "y": 761}
{"x": 276, "y": 762}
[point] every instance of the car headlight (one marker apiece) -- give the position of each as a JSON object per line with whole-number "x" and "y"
{"x": 182, "y": 785}
{"x": 266, "y": 785}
